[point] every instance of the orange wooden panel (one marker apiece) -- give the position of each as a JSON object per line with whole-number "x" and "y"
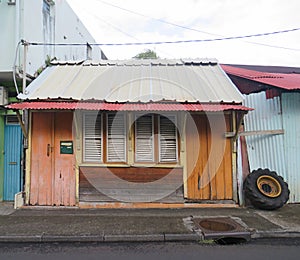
{"x": 64, "y": 164}
{"x": 210, "y": 178}
{"x": 41, "y": 160}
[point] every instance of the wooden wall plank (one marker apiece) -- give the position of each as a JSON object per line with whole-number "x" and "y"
{"x": 41, "y": 164}
{"x": 214, "y": 162}
{"x": 89, "y": 174}
{"x": 64, "y": 173}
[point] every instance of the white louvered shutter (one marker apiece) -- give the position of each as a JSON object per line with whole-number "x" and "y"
{"x": 167, "y": 139}
{"x": 92, "y": 138}
{"x": 144, "y": 146}
{"x": 116, "y": 138}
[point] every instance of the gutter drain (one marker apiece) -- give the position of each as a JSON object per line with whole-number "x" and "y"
{"x": 223, "y": 230}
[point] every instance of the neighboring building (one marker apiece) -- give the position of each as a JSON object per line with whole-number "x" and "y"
{"x": 34, "y": 21}
{"x": 272, "y": 129}
{"x": 132, "y": 131}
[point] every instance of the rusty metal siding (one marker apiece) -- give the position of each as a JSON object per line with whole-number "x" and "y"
{"x": 265, "y": 151}
{"x": 291, "y": 124}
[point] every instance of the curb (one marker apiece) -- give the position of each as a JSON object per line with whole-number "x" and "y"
{"x": 275, "y": 234}
{"x": 192, "y": 237}
{"x": 188, "y": 237}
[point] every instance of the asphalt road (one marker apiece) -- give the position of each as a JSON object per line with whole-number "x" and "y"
{"x": 255, "y": 250}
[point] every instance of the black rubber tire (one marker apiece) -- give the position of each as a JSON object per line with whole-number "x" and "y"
{"x": 260, "y": 200}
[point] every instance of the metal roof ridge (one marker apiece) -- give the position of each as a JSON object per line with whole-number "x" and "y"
{"x": 139, "y": 62}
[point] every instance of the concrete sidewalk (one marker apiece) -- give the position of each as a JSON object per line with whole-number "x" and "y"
{"x": 47, "y": 224}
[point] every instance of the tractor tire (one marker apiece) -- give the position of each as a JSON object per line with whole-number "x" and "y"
{"x": 266, "y": 190}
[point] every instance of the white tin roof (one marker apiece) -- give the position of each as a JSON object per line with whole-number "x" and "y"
{"x": 135, "y": 81}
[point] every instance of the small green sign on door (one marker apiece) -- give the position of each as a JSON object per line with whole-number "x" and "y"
{"x": 66, "y": 147}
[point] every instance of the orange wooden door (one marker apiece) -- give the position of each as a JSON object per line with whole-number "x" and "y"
{"x": 52, "y": 173}
{"x": 41, "y": 159}
{"x": 209, "y": 159}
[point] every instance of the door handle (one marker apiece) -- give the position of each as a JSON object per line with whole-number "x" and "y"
{"x": 48, "y": 150}
{"x": 12, "y": 163}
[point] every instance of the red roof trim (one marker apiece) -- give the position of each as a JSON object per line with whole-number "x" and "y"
{"x": 126, "y": 106}
{"x": 289, "y": 81}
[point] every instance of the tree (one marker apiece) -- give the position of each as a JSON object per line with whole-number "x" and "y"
{"x": 147, "y": 54}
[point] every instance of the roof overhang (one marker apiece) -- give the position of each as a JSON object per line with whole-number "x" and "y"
{"x": 104, "y": 106}
{"x": 286, "y": 81}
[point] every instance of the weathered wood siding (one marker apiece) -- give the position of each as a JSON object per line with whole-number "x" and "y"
{"x": 209, "y": 158}
{"x": 109, "y": 178}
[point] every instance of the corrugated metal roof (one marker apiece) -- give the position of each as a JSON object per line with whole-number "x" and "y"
{"x": 127, "y": 106}
{"x": 289, "y": 81}
{"x": 136, "y": 81}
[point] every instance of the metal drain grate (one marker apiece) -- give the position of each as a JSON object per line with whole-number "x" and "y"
{"x": 225, "y": 228}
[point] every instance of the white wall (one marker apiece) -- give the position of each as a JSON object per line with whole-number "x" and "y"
{"x": 7, "y": 36}
{"x": 67, "y": 28}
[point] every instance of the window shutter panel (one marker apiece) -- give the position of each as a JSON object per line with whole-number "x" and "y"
{"x": 92, "y": 150}
{"x": 167, "y": 139}
{"x": 144, "y": 151}
{"x": 116, "y": 138}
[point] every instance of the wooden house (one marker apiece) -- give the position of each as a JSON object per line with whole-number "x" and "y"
{"x": 135, "y": 131}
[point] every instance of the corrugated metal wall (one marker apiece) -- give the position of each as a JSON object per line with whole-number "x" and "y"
{"x": 265, "y": 151}
{"x": 291, "y": 124}
{"x": 280, "y": 153}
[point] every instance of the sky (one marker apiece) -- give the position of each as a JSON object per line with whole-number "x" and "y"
{"x": 128, "y": 21}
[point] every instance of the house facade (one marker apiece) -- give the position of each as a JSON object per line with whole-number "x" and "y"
{"x": 43, "y": 22}
{"x": 148, "y": 131}
{"x": 271, "y": 137}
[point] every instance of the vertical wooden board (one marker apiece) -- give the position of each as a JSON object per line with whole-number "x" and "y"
{"x": 210, "y": 178}
{"x": 205, "y": 140}
{"x": 218, "y": 156}
{"x": 191, "y": 155}
{"x": 41, "y": 167}
{"x": 228, "y": 164}
{"x": 64, "y": 164}
{"x": 222, "y": 159}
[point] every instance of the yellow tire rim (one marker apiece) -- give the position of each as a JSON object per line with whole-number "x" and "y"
{"x": 269, "y": 186}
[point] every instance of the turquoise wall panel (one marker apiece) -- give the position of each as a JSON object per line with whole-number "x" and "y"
{"x": 12, "y": 161}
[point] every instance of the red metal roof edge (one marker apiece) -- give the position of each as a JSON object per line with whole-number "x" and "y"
{"x": 288, "y": 81}
{"x": 45, "y": 105}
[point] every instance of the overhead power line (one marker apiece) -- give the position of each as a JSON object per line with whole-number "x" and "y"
{"x": 156, "y": 19}
{"x": 174, "y": 42}
{"x": 185, "y": 27}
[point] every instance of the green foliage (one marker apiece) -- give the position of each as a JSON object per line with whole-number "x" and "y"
{"x": 48, "y": 61}
{"x": 147, "y": 54}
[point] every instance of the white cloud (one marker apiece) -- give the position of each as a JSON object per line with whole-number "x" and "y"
{"x": 110, "y": 24}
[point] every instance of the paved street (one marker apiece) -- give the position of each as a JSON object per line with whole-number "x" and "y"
{"x": 275, "y": 250}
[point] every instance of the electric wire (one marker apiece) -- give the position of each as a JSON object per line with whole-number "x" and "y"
{"x": 118, "y": 28}
{"x": 185, "y": 27}
{"x": 174, "y": 42}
